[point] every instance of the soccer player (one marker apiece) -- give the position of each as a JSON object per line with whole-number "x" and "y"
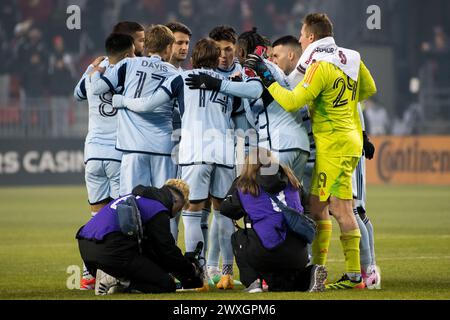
{"x": 135, "y": 30}
{"x": 222, "y": 227}
{"x": 102, "y": 160}
{"x": 286, "y": 53}
{"x": 206, "y": 146}
{"x": 180, "y": 47}
{"x": 335, "y": 81}
{"x": 370, "y": 272}
{"x": 279, "y": 131}
{"x": 180, "y": 51}
{"x": 145, "y": 139}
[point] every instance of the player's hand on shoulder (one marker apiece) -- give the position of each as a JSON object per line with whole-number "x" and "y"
{"x": 117, "y": 101}
{"x": 203, "y": 81}
{"x": 97, "y": 61}
{"x": 97, "y": 69}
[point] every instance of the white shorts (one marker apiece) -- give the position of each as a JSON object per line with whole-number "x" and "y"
{"x": 145, "y": 169}
{"x": 359, "y": 183}
{"x": 102, "y": 180}
{"x": 207, "y": 179}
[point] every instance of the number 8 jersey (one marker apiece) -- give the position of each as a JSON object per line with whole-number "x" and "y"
{"x": 101, "y": 138}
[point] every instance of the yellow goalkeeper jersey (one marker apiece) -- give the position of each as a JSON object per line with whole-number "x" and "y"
{"x": 332, "y": 97}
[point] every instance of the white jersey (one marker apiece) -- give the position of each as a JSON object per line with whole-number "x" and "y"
{"x": 151, "y": 132}
{"x": 207, "y": 133}
{"x": 243, "y": 117}
{"x": 102, "y": 129}
{"x": 278, "y": 129}
{"x": 228, "y": 73}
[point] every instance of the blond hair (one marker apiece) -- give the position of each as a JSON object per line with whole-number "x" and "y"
{"x": 181, "y": 186}
{"x": 158, "y": 38}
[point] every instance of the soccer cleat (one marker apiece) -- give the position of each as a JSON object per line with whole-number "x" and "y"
{"x": 345, "y": 283}
{"x": 373, "y": 277}
{"x": 214, "y": 274}
{"x": 317, "y": 279}
{"x": 265, "y": 286}
{"x": 254, "y": 287}
{"x": 87, "y": 283}
{"x": 226, "y": 282}
{"x": 107, "y": 284}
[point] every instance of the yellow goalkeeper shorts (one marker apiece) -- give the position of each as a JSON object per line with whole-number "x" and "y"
{"x": 332, "y": 176}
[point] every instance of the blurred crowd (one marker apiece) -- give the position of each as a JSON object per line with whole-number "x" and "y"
{"x": 42, "y": 58}
{"x": 38, "y": 51}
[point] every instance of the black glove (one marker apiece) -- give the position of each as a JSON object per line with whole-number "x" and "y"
{"x": 203, "y": 81}
{"x": 257, "y": 64}
{"x": 368, "y": 147}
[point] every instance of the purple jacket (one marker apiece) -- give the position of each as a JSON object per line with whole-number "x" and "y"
{"x": 106, "y": 220}
{"x": 266, "y": 217}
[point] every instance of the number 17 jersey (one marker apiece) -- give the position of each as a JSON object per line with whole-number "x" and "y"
{"x": 150, "y": 132}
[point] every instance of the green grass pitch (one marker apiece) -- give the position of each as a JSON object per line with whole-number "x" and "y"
{"x": 412, "y": 237}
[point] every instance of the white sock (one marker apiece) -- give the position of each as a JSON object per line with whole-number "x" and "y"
{"x": 192, "y": 229}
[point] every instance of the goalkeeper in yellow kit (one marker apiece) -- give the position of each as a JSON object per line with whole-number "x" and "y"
{"x": 332, "y": 87}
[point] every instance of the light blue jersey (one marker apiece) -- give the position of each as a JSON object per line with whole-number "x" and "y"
{"x": 102, "y": 172}
{"x": 102, "y": 129}
{"x": 243, "y": 117}
{"x": 278, "y": 130}
{"x": 207, "y": 134}
{"x": 228, "y": 73}
{"x": 149, "y": 133}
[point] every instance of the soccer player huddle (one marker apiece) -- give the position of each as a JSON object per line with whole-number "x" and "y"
{"x": 154, "y": 125}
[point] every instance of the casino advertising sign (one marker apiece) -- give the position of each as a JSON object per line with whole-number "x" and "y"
{"x": 41, "y": 162}
{"x": 410, "y": 160}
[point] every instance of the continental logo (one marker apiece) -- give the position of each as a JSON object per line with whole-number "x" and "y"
{"x": 411, "y": 157}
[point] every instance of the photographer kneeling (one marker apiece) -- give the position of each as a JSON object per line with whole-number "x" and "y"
{"x": 148, "y": 266}
{"x": 266, "y": 249}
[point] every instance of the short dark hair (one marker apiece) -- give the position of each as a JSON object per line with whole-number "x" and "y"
{"x": 223, "y": 33}
{"x": 117, "y": 43}
{"x": 128, "y": 27}
{"x": 179, "y": 27}
{"x": 249, "y": 40}
{"x": 205, "y": 54}
{"x": 319, "y": 24}
{"x": 286, "y": 41}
